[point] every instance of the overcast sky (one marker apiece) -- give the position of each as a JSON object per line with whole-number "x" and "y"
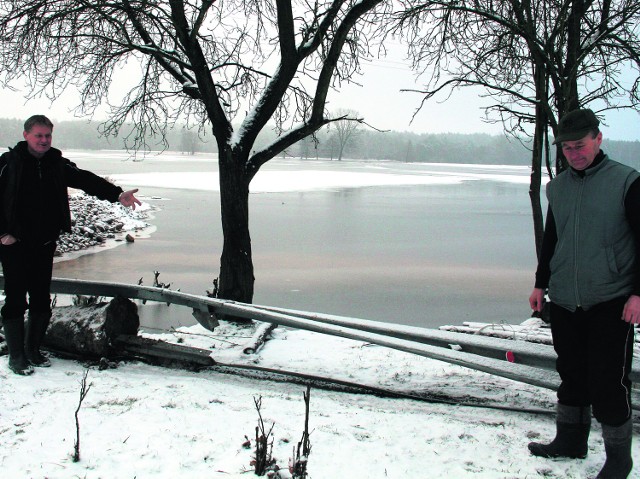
{"x": 378, "y": 99}
{"x": 382, "y": 104}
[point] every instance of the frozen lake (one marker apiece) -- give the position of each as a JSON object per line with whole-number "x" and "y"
{"x": 418, "y": 244}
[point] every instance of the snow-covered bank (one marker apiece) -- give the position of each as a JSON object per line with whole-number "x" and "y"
{"x": 143, "y": 421}
{"x": 100, "y": 224}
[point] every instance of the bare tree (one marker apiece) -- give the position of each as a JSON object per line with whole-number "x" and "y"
{"x": 188, "y": 141}
{"x": 346, "y": 128}
{"x": 308, "y": 147}
{"x": 232, "y": 66}
{"x": 535, "y": 60}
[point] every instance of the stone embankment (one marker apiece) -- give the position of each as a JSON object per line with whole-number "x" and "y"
{"x": 94, "y": 222}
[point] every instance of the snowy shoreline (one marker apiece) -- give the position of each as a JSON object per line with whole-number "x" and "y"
{"x": 99, "y": 224}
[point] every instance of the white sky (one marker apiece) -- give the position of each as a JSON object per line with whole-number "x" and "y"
{"x": 382, "y": 104}
{"x": 377, "y": 98}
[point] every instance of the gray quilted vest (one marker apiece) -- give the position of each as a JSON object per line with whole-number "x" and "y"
{"x": 594, "y": 259}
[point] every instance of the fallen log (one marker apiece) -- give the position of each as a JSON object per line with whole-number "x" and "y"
{"x": 105, "y": 330}
{"x": 92, "y": 330}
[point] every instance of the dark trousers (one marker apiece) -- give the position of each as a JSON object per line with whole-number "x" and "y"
{"x": 27, "y": 269}
{"x": 595, "y": 350}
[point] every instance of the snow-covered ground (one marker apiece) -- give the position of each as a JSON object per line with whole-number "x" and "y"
{"x": 145, "y": 421}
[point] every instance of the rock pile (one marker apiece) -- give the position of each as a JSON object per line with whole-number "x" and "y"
{"x": 94, "y": 221}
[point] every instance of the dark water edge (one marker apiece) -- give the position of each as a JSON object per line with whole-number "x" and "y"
{"x": 417, "y": 255}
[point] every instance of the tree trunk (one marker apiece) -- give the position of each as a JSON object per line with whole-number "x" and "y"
{"x": 536, "y": 159}
{"x": 570, "y": 100}
{"x": 106, "y": 330}
{"x": 92, "y": 330}
{"x": 236, "y": 280}
{"x": 534, "y": 194}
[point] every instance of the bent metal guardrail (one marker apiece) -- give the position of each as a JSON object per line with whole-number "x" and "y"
{"x": 535, "y": 363}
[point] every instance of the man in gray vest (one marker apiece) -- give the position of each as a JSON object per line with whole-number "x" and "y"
{"x": 589, "y": 266}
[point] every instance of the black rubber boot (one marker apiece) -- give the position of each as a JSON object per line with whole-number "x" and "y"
{"x": 573, "y": 425}
{"x": 617, "y": 444}
{"x": 14, "y": 336}
{"x": 35, "y": 331}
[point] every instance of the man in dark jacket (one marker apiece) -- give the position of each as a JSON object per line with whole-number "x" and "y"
{"x": 34, "y": 210}
{"x": 589, "y": 263}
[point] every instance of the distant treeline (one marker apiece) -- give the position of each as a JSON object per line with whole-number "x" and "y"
{"x": 365, "y": 144}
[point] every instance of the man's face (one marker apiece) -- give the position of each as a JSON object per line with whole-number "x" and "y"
{"x": 38, "y": 140}
{"x": 581, "y": 153}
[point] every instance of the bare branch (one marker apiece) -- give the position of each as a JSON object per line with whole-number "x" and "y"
{"x": 84, "y": 390}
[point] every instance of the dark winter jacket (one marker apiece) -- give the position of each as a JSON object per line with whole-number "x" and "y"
{"x": 590, "y": 248}
{"x": 34, "y": 202}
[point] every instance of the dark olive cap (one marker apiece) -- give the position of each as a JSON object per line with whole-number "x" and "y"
{"x": 575, "y": 125}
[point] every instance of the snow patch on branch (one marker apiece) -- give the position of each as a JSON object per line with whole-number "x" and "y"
{"x": 250, "y": 119}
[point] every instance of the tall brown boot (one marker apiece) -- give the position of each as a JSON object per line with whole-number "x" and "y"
{"x": 14, "y": 336}
{"x": 35, "y": 332}
{"x": 573, "y": 425}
